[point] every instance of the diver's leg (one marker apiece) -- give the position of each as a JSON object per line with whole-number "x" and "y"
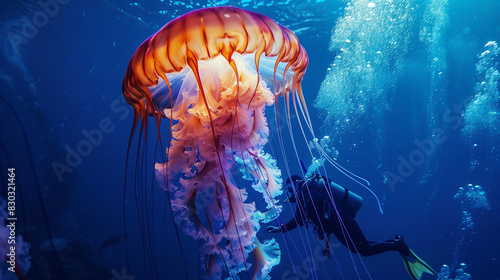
{"x": 353, "y": 238}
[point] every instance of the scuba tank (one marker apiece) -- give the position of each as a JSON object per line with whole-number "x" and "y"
{"x": 344, "y": 197}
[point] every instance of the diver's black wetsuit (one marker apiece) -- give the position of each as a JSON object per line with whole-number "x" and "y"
{"x": 314, "y": 204}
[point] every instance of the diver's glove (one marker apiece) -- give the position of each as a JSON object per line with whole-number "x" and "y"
{"x": 273, "y": 229}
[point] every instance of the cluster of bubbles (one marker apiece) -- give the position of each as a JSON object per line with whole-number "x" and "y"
{"x": 460, "y": 274}
{"x": 466, "y": 222}
{"x": 472, "y": 197}
{"x": 324, "y": 145}
{"x": 370, "y": 40}
{"x": 324, "y": 148}
{"x": 432, "y": 34}
{"x": 482, "y": 115}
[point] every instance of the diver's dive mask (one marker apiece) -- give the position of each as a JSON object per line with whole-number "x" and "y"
{"x": 292, "y": 183}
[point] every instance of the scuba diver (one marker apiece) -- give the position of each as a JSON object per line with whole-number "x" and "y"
{"x": 315, "y": 207}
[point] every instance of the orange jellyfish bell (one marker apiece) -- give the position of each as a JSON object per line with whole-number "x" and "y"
{"x": 212, "y": 72}
{"x": 206, "y": 34}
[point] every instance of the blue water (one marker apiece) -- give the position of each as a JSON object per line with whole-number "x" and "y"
{"x": 419, "y": 122}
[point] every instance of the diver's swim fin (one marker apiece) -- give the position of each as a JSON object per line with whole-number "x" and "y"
{"x": 416, "y": 266}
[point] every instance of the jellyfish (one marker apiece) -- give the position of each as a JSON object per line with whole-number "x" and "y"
{"x": 211, "y": 74}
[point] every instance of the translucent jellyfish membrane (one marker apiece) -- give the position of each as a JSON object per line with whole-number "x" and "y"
{"x": 482, "y": 115}
{"x": 371, "y": 40}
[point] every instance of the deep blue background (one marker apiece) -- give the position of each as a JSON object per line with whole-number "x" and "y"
{"x": 77, "y": 62}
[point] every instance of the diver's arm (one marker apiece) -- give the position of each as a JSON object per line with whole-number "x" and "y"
{"x": 293, "y": 223}
{"x": 283, "y": 227}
